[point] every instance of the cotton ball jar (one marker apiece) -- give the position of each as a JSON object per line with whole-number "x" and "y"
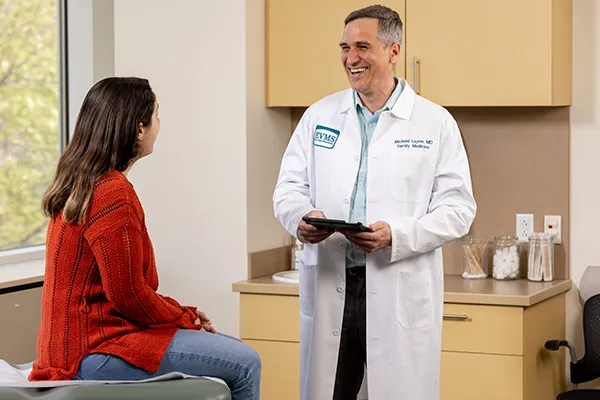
{"x": 506, "y": 258}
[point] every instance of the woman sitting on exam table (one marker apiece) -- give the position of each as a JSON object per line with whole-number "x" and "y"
{"x": 102, "y": 318}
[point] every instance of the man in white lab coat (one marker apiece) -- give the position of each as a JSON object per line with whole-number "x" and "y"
{"x": 382, "y": 155}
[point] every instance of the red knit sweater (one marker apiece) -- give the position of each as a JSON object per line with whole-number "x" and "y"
{"x": 100, "y": 287}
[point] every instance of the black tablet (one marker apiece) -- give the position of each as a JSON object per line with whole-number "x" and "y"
{"x": 336, "y": 224}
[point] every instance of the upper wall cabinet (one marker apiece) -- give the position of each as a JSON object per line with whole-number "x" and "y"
{"x": 490, "y": 53}
{"x": 302, "y": 49}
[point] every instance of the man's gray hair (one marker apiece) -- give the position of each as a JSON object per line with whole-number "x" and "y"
{"x": 389, "y": 23}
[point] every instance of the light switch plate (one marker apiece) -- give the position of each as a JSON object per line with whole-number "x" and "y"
{"x": 553, "y": 226}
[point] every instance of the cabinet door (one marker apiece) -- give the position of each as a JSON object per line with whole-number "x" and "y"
{"x": 302, "y": 45}
{"x": 20, "y": 320}
{"x": 472, "y": 376}
{"x": 280, "y": 369}
{"x": 483, "y": 53}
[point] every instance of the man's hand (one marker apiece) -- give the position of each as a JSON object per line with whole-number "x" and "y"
{"x": 205, "y": 322}
{"x": 310, "y": 234}
{"x": 380, "y": 238}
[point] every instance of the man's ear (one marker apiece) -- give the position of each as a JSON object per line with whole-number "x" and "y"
{"x": 395, "y": 53}
{"x": 141, "y": 131}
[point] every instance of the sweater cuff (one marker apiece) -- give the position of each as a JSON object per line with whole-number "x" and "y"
{"x": 192, "y": 309}
{"x": 191, "y": 315}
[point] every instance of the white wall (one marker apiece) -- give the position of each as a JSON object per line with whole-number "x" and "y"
{"x": 193, "y": 187}
{"x": 585, "y": 149}
{"x": 268, "y": 132}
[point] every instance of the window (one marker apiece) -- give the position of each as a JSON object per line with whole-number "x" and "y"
{"x": 32, "y": 115}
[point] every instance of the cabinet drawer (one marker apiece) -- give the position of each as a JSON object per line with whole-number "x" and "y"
{"x": 481, "y": 376}
{"x": 280, "y": 377}
{"x": 269, "y": 317}
{"x": 483, "y": 329}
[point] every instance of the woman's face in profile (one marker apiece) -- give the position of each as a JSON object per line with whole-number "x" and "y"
{"x": 148, "y": 134}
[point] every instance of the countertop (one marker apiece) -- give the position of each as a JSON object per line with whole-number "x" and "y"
{"x": 521, "y": 292}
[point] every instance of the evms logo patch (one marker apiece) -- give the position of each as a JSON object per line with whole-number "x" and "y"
{"x": 325, "y": 137}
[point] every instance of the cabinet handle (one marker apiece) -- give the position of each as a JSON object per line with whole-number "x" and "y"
{"x": 416, "y": 64}
{"x": 459, "y": 317}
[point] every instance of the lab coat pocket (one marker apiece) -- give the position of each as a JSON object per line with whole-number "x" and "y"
{"x": 411, "y": 175}
{"x": 414, "y": 308}
{"x": 308, "y": 288}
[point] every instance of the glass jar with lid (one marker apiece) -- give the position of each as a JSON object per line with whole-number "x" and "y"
{"x": 506, "y": 258}
{"x": 475, "y": 257}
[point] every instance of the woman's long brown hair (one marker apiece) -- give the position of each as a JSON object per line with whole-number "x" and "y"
{"x": 104, "y": 139}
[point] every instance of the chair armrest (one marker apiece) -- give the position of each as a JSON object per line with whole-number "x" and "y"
{"x": 554, "y": 345}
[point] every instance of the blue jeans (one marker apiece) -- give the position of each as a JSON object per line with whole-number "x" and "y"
{"x": 197, "y": 353}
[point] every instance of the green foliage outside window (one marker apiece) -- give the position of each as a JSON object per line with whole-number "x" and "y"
{"x": 29, "y": 117}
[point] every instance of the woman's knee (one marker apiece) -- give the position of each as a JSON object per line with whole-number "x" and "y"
{"x": 247, "y": 358}
{"x": 216, "y": 347}
{"x": 246, "y": 355}
{"x": 252, "y": 360}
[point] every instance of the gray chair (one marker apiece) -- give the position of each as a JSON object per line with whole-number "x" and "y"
{"x": 590, "y": 283}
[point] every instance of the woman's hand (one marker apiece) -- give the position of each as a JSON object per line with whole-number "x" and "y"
{"x": 205, "y": 322}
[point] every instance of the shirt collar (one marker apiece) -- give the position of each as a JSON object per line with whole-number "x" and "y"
{"x": 402, "y": 108}
{"x": 389, "y": 104}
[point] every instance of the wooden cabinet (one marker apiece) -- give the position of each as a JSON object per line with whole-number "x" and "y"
{"x": 302, "y": 49}
{"x": 280, "y": 377}
{"x": 270, "y": 324}
{"x": 497, "y": 352}
{"x": 20, "y": 313}
{"x": 455, "y": 53}
{"x": 490, "y": 53}
{"x": 488, "y": 352}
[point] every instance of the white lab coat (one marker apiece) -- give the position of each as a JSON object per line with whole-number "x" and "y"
{"x": 419, "y": 183}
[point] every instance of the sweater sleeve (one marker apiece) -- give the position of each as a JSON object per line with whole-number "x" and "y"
{"x": 119, "y": 253}
{"x": 176, "y": 303}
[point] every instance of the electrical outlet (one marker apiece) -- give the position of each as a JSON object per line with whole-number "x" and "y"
{"x": 553, "y": 226}
{"x": 524, "y": 227}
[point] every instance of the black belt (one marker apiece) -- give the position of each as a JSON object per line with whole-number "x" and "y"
{"x": 359, "y": 270}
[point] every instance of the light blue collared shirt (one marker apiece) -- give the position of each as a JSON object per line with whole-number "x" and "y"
{"x": 358, "y": 205}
